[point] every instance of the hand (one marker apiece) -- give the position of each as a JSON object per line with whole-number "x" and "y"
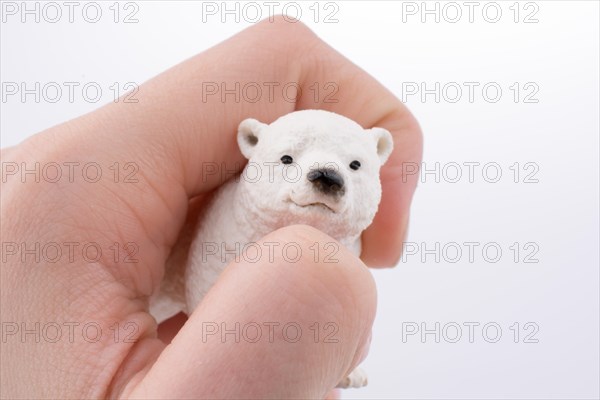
{"x": 167, "y": 137}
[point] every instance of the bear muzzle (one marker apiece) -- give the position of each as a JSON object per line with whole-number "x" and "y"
{"x": 327, "y": 181}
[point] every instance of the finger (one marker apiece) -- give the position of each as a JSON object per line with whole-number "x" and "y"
{"x": 304, "y": 362}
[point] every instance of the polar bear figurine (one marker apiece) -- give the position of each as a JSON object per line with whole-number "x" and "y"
{"x": 309, "y": 167}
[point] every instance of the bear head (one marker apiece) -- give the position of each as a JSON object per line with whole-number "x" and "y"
{"x": 313, "y": 167}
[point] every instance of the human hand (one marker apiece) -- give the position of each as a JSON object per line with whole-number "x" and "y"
{"x": 167, "y": 137}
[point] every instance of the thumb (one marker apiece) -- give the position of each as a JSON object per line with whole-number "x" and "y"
{"x": 290, "y": 323}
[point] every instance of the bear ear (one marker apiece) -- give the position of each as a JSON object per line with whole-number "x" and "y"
{"x": 248, "y": 134}
{"x": 384, "y": 142}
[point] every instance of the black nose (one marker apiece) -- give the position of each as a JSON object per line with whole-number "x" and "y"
{"x": 327, "y": 180}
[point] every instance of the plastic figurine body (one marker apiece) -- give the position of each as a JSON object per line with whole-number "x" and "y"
{"x": 309, "y": 167}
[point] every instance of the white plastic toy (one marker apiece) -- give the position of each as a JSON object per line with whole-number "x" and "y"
{"x": 308, "y": 167}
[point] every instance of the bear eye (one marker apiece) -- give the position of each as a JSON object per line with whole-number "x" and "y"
{"x": 287, "y": 159}
{"x": 355, "y": 165}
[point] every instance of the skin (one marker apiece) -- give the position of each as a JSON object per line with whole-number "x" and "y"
{"x": 169, "y": 134}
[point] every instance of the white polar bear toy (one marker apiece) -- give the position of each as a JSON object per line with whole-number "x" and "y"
{"x": 309, "y": 167}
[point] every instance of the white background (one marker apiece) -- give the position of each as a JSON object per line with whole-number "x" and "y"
{"x": 558, "y": 134}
